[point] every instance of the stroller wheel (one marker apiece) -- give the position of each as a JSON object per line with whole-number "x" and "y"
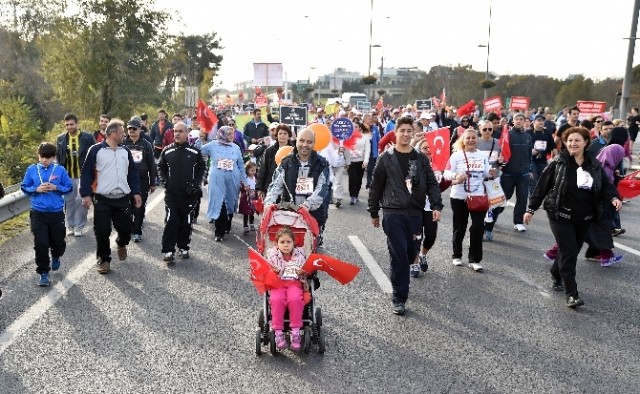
{"x": 319, "y": 317}
{"x": 307, "y": 340}
{"x": 272, "y": 343}
{"x": 320, "y": 340}
{"x": 261, "y": 319}
{"x": 259, "y": 342}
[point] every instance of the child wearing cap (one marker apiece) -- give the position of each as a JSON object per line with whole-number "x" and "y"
{"x": 45, "y": 183}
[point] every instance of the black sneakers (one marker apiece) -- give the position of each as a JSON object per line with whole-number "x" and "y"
{"x": 398, "y": 308}
{"x": 574, "y": 301}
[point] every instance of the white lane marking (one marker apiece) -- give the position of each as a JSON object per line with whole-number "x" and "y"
{"x": 60, "y": 289}
{"x": 242, "y": 240}
{"x": 626, "y": 248}
{"x": 376, "y": 271}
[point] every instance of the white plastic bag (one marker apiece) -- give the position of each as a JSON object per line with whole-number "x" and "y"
{"x": 495, "y": 193}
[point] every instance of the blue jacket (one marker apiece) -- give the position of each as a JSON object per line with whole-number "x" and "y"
{"x": 375, "y": 138}
{"x": 50, "y": 201}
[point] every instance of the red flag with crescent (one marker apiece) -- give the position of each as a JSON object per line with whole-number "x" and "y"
{"x": 439, "y": 144}
{"x": 339, "y": 270}
{"x": 262, "y": 276}
{"x": 466, "y": 109}
{"x": 206, "y": 118}
{"x": 504, "y": 144}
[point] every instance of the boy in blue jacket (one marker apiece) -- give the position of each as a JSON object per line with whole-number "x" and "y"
{"x": 45, "y": 183}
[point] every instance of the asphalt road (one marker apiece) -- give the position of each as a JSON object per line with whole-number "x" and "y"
{"x": 146, "y": 328}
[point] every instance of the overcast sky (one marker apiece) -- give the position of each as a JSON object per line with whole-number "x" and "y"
{"x": 544, "y": 37}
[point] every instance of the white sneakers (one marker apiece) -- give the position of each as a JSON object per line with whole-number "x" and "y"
{"x": 519, "y": 227}
{"x": 474, "y": 266}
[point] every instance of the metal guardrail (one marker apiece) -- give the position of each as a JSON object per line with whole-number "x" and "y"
{"x": 14, "y": 203}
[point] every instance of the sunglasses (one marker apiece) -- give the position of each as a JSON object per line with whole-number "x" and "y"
{"x": 465, "y": 121}
{"x": 487, "y": 129}
{"x": 131, "y": 128}
{"x": 599, "y": 121}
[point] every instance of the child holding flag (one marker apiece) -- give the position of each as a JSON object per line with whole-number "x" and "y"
{"x": 286, "y": 260}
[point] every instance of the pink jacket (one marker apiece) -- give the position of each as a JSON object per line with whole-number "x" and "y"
{"x": 275, "y": 258}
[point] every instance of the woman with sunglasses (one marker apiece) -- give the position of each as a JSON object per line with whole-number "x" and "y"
{"x": 491, "y": 147}
{"x": 597, "y": 126}
{"x": 467, "y": 170}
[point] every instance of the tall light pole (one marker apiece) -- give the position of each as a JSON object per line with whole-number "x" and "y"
{"x": 486, "y": 72}
{"x": 626, "y": 83}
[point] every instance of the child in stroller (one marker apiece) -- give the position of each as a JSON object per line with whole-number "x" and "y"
{"x": 286, "y": 260}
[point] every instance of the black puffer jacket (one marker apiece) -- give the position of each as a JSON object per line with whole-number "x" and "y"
{"x": 552, "y": 186}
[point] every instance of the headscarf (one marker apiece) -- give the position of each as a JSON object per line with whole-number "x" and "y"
{"x": 610, "y": 156}
{"x": 223, "y": 135}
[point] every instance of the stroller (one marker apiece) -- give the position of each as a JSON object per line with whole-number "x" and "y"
{"x": 305, "y": 229}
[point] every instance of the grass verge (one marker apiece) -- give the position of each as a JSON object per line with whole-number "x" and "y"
{"x": 13, "y": 227}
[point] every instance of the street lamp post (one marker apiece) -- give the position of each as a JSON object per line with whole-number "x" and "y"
{"x": 626, "y": 82}
{"x": 486, "y": 72}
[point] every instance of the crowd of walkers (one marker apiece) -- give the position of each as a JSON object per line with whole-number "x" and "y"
{"x": 565, "y": 165}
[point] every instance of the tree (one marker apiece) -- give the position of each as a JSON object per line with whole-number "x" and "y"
{"x": 192, "y": 58}
{"x": 19, "y": 138}
{"x": 577, "y": 88}
{"x": 105, "y": 60}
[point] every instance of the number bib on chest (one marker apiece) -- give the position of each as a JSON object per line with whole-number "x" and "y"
{"x": 137, "y": 156}
{"x": 290, "y": 271}
{"x": 304, "y": 186}
{"x": 225, "y": 164}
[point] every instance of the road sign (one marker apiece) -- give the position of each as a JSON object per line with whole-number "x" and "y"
{"x": 293, "y": 116}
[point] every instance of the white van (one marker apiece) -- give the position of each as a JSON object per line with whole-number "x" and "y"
{"x": 352, "y": 99}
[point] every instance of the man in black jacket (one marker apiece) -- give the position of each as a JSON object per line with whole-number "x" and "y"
{"x": 182, "y": 168}
{"x": 158, "y": 128}
{"x": 256, "y": 129}
{"x": 402, "y": 179}
{"x": 142, "y": 153}
{"x": 72, "y": 148}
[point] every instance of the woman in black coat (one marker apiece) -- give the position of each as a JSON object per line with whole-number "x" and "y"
{"x": 573, "y": 189}
{"x": 268, "y": 163}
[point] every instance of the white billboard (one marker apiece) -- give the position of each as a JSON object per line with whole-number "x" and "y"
{"x": 267, "y": 74}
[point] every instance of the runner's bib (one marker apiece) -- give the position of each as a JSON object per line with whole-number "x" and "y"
{"x": 137, "y": 156}
{"x": 225, "y": 164}
{"x": 540, "y": 145}
{"x": 304, "y": 186}
{"x": 290, "y": 271}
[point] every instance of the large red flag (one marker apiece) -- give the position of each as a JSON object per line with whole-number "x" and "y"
{"x": 466, "y": 109}
{"x": 504, "y": 144}
{"x": 339, "y": 270}
{"x": 262, "y": 275}
{"x": 206, "y": 118}
{"x": 439, "y": 144}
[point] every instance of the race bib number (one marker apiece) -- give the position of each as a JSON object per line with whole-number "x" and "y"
{"x": 476, "y": 165}
{"x": 304, "y": 186}
{"x": 225, "y": 164}
{"x": 290, "y": 272}
{"x": 137, "y": 156}
{"x": 355, "y": 154}
{"x": 585, "y": 181}
{"x": 540, "y": 145}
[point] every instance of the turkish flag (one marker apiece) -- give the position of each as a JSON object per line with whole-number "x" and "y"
{"x": 439, "y": 144}
{"x": 339, "y": 270}
{"x": 206, "y": 118}
{"x": 629, "y": 186}
{"x": 504, "y": 144}
{"x": 443, "y": 96}
{"x": 262, "y": 276}
{"x": 466, "y": 109}
{"x": 380, "y": 104}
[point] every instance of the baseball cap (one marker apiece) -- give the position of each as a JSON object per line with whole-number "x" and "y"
{"x": 538, "y": 117}
{"x": 134, "y": 123}
{"x": 273, "y": 125}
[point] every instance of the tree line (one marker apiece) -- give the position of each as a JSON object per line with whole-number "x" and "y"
{"x": 111, "y": 56}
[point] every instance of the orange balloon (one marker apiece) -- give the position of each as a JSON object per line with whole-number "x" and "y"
{"x": 282, "y": 153}
{"x": 322, "y": 135}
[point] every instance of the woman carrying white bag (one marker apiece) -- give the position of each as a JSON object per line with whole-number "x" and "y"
{"x": 491, "y": 147}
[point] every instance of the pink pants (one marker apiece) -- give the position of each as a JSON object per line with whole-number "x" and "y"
{"x": 288, "y": 296}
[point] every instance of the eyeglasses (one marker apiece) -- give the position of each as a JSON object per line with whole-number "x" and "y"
{"x": 487, "y": 129}
{"x": 132, "y": 128}
{"x": 231, "y": 124}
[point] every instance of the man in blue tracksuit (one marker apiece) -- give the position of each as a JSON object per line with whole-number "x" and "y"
{"x": 45, "y": 183}
{"x": 515, "y": 175}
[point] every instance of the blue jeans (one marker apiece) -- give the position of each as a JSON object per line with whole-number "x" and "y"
{"x": 404, "y": 233}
